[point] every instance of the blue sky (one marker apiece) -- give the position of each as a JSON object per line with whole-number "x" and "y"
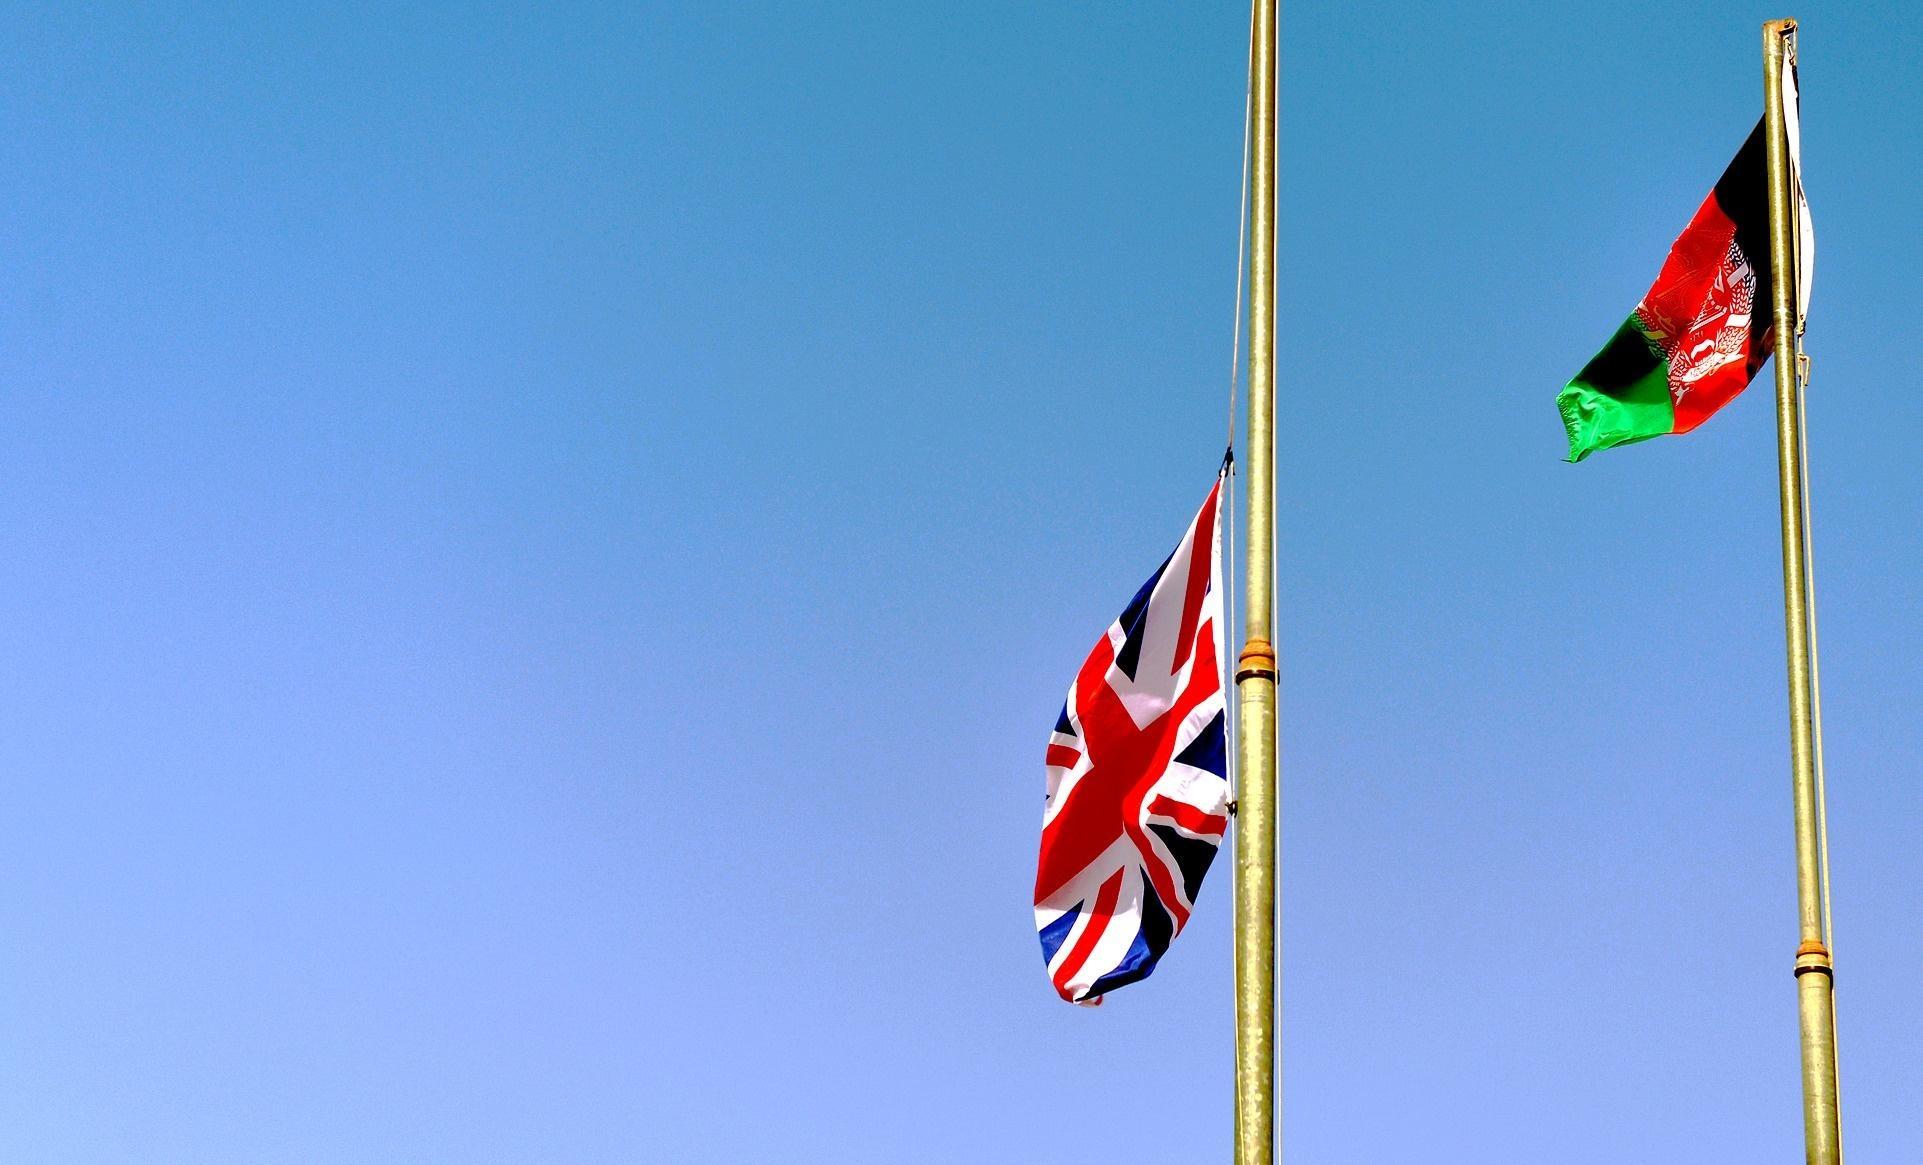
{"x": 540, "y": 551}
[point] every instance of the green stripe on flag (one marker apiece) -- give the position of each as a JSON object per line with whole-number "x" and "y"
{"x": 1620, "y": 397}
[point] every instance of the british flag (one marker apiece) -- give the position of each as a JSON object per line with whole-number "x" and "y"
{"x": 1138, "y": 789}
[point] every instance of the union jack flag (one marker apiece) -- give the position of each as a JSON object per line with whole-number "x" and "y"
{"x": 1138, "y": 789}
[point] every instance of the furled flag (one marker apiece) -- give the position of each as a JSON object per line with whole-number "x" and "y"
{"x": 1702, "y": 332}
{"x": 1138, "y": 789}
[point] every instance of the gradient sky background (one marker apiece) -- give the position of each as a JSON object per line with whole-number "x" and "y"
{"x": 539, "y": 552}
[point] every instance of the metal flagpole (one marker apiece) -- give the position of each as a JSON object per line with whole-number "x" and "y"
{"x": 1255, "y": 672}
{"x": 1822, "y": 1137}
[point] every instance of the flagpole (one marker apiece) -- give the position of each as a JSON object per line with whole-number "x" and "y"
{"x": 1255, "y": 673}
{"x": 1822, "y": 1137}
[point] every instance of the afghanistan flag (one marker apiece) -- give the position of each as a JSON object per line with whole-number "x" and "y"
{"x": 1700, "y": 334}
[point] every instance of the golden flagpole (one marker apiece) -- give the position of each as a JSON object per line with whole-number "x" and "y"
{"x": 1255, "y": 673}
{"x": 1822, "y": 1136}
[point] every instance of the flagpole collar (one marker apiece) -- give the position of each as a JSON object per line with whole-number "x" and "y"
{"x": 1813, "y": 958}
{"x": 1257, "y": 661}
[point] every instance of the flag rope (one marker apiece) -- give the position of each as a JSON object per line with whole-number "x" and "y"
{"x": 1231, "y": 634}
{"x": 1241, "y": 254}
{"x": 1231, "y": 729}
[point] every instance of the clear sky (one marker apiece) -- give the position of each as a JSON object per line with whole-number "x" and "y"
{"x": 539, "y": 551}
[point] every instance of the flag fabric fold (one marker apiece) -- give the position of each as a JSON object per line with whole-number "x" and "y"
{"x": 1137, "y": 772}
{"x": 1705, "y": 327}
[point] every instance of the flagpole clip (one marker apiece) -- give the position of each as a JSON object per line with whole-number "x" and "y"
{"x": 1802, "y": 367}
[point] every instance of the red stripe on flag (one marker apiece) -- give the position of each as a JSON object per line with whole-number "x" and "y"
{"x": 1188, "y": 816}
{"x": 1091, "y": 934}
{"x": 1201, "y": 563}
{"x": 1703, "y": 311}
{"x": 1062, "y": 757}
